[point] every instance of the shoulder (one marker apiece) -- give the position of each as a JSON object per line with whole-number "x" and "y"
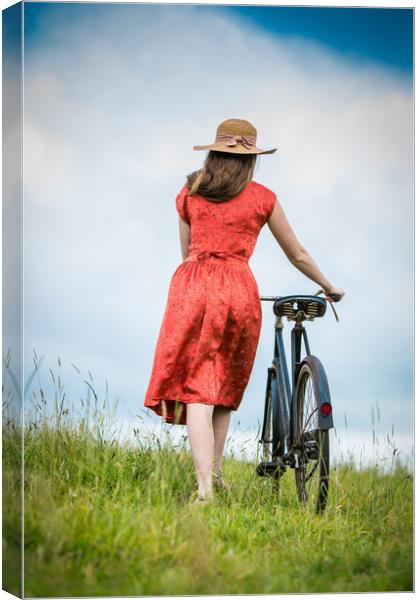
{"x": 181, "y": 203}
{"x": 260, "y": 187}
{"x": 267, "y": 198}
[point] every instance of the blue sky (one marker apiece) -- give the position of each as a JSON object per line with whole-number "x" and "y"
{"x": 101, "y": 231}
{"x": 378, "y": 34}
{"x": 383, "y": 35}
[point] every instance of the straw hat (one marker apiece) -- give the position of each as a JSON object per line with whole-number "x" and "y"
{"x": 236, "y": 136}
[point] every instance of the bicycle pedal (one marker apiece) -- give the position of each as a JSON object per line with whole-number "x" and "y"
{"x": 268, "y": 468}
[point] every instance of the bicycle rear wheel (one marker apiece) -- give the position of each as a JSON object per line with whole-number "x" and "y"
{"x": 311, "y": 443}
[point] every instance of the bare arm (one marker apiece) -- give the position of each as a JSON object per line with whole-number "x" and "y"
{"x": 295, "y": 252}
{"x": 184, "y": 237}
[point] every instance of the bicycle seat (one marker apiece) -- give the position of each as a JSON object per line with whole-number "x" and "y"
{"x": 289, "y": 306}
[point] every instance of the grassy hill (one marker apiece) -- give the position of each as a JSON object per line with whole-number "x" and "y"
{"x": 104, "y": 518}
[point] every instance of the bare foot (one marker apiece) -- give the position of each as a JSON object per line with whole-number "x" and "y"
{"x": 197, "y": 498}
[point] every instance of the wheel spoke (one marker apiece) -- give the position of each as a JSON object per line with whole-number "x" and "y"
{"x": 312, "y": 472}
{"x": 309, "y": 475}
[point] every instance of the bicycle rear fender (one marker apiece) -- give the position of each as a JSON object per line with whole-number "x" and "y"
{"x": 322, "y": 390}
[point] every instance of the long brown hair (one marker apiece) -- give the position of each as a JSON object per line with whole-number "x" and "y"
{"x": 223, "y": 175}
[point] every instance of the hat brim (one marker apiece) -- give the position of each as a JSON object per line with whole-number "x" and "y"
{"x": 238, "y": 149}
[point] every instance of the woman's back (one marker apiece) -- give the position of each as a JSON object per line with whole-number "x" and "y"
{"x": 232, "y": 226}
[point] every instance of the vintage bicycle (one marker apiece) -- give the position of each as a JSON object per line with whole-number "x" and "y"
{"x": 297, "y": 418}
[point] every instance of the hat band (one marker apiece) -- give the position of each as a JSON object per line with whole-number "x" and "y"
{"x": 247, "y": 141}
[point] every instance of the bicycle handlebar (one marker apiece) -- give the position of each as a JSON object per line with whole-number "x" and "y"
{"x": 334, "y": 298}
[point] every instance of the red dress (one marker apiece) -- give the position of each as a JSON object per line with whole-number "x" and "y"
{"x": 212, "y": 321}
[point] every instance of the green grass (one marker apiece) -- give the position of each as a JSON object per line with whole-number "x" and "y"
{"x": 106, "y": 519}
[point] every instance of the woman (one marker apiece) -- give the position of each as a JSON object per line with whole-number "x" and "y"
{"x": 212, "y": 320}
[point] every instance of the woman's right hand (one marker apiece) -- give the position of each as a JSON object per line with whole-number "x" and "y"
{"x": 334, "y": 290}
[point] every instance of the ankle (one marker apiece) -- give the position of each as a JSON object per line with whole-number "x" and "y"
{"x": 205, "y": 492}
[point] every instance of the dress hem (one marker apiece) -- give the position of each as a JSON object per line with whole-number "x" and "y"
{"x": 155, "y": 404}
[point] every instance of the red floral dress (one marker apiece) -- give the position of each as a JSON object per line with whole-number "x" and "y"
{"x": 212, "y": 321}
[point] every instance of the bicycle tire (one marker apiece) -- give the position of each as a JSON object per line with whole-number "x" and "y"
{"x": 311, "y": 443}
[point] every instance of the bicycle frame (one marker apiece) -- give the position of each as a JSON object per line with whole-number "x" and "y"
{"x": 282, "y": 373}
{"x": 281, "y": 383}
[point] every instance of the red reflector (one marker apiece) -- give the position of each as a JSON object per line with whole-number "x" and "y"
{"x": 326, "y": 409}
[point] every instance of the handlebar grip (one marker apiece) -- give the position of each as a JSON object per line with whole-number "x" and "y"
{"x": 334, "y": 297}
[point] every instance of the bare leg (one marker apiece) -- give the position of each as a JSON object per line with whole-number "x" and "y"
{"x": 201, "y": 439}
{"x": 221, "y": 420}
